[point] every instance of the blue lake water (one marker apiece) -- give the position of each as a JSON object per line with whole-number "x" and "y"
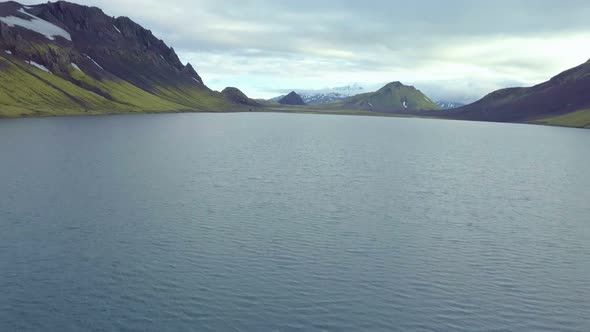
{"x": 282, "y": 222}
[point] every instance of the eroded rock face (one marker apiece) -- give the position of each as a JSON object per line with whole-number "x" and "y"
{"x": 102, "y": 46}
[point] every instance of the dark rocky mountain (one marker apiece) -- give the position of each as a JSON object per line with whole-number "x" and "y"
{"x": 235, "y": 95}
{"x": 81, "y": 60}
{"x": 292, "y": 99}
{"x": 565, "y": 93}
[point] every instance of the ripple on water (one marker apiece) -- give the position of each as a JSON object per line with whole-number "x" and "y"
{"x": 292, "y": 222}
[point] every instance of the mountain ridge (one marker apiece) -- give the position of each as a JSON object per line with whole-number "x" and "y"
{"x": 564, "y": 93}
{"x": 81, "y": 60}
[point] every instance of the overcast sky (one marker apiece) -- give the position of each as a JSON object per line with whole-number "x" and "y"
{"x": 452, "y": 49}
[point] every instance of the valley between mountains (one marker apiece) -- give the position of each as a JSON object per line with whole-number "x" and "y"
{"x": 61, "y": 58}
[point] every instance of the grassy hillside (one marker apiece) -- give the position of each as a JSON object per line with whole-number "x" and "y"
{"x": 125, "y": 93}
{"x": 26, "y": 90}
{"x": 580, "y": 119}
{"x": 392, "y": 97}
{"x": 238, "y": 97}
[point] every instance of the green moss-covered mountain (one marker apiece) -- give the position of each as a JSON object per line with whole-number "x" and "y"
{"x": 580, "y": 119}
{"x": 393, "y": 97}
{"x": 62, "y": 58}
{"x": 235, "y": 95}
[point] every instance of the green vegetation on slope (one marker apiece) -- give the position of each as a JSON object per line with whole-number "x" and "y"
{"x": 196, "y": 99}
{"x": 238, "y": 97}
{"x": 26, "y": 90}
{"x": 125, "y": 93}
{"x": 580, "y": 119}
{"x": 392, "y": 97}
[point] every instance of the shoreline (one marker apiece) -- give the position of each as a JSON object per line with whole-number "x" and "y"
{"x": 281, "y": 110}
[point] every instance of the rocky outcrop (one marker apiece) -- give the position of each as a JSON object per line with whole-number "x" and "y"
{"x": 292, "y": 99}
{"x": 238, "y": 97}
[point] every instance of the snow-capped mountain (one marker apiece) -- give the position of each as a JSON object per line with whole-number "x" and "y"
{"x": 329, "y": 95}
{"x": 447, "y": 105}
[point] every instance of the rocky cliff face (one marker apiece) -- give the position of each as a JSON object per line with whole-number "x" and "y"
{"x": 113, "y": 58}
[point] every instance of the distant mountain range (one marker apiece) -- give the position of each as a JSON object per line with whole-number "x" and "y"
{"x": 62, "y": 58}
{"x": 313, "y": 97}
{"x": 447, "y": 105}
{"x": 326, "y": 96}
{"x": 67, "y": 59}
{"x": 392, "y": 97}
{"x": 339, "y": 94}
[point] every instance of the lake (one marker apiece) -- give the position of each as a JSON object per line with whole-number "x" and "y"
{"x": 286, "y": 222}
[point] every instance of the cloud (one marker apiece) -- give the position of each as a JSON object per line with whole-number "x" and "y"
{"x": 464, "y": 46}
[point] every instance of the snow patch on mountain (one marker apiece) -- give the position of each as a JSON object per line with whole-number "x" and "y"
{"x": 40, "y": 66}
{"x": 329, "y": 95}
{"x": 445, "y": 104}
{"x": 91, "y": 59}
{"x": 49, "y": 30}
{"x": 75, "y": 66}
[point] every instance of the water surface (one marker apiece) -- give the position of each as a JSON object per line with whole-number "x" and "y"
{"x": 279, "y": 222}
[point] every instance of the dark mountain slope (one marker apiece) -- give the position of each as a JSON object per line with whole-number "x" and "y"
{"x": 565, "y": 93}
{"x": 292, "y": 99}
{"x": 112, "y": 58}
